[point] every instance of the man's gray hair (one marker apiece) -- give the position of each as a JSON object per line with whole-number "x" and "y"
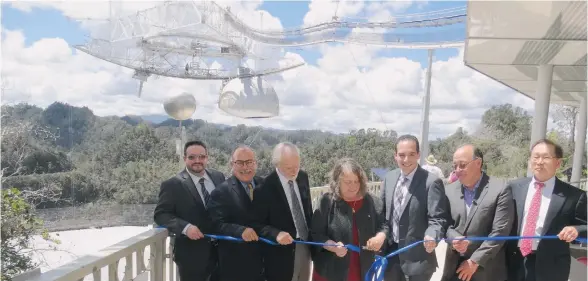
{"x": 241, "y": 146}
{"x": 347, "y": 165}
{"x": 278, "y": 150}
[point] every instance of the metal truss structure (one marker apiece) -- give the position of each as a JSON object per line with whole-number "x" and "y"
{"x": 182, "y": 39}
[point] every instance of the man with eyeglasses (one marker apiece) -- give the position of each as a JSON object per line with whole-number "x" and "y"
{"x": 230, "y": 208}
{"x": 545, "y": 206}
{"x": 480, "y": 207}
{"x": 182, "y": 209}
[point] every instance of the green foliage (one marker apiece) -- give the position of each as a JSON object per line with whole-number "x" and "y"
{"x": 19, "y": 224}
{"x": 124, "y": 160}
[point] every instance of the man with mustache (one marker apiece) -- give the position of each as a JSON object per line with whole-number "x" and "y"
{"x": 182, "y": 209}
{"x": 283, "y": 212}
{"x": 230, "y": 208}
{"x": 417, "y": 209}
{"x": 480, "y": 207}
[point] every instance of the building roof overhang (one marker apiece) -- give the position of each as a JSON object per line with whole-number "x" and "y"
{"x": 508, "y": 40}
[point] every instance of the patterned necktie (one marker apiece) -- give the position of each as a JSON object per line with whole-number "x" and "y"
{"x": 399, "y": 195}
{"x": 531, "y": 222}
{"x": 298, "y": 214}
{"x": 250, "y": 191}
{"x": 205, "y": 193}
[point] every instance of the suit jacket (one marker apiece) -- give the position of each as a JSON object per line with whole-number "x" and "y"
{"x": 566, "y": 208}
{"x": 273, "y": 215}
{"x": 491, "y": 214}
{"x": 231, "y": 212}
{"x": 333, "y": 219}
{"x": 425, "y": 213}
{"x": 180, "y": 204}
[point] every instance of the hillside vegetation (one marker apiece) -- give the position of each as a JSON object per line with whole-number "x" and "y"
{"x": 65, "y": 155}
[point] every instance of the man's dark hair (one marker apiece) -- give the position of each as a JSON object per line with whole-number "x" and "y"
{"x": 192, "y": 143}
{"x": 408, "y": 138}
{"x": 556, "y": 148}
{"x": 478, "y": 154}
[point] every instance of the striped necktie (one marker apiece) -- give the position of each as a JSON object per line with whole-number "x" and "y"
{"x": 250, "y": 191}
{"x": 205, "y": 193}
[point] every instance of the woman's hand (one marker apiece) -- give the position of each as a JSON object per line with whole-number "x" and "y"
{"x": 339, "y": 250}
{"x": 375, "y": 243}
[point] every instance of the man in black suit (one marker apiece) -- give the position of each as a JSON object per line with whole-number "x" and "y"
{"x": 283, "y": 212}
{"x": 545, "y": 206}
{"x": 182, "y": 209}
{"x": 417, "y": 209}
{"x": 230, "y": 208}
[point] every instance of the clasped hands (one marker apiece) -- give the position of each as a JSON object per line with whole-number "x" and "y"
{"x": 373, "y": 244}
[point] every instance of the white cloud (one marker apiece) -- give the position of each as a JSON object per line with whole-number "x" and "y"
{"x": 350, "y": 87}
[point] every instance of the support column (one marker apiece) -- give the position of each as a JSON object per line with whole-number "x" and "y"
{"x": 542, "y": 97}
{"x": 579, "y": 143}
{"x": 425, "y": 118}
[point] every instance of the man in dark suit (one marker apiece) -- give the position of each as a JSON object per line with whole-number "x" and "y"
{"x": 182, "y": 210}
{"x": 416, "y": 208}
{"x": 480, "y": 207}
{"x": 545, "y": 206}
{"x": 283, "y": 211}
{"x": 230, "y": 208}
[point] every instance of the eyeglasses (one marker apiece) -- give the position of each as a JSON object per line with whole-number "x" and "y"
{"x": 539, "y": 158}
{"x": 199, "y": 157}
{"x": 463, "y": 165}
{"x": 242, "y": 163}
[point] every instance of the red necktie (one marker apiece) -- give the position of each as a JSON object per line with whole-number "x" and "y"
{"x": 531, "y": 223}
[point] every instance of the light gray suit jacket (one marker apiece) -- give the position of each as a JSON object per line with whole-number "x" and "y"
{"x": 425, "y": 213}
{"x": 492, "y": 214}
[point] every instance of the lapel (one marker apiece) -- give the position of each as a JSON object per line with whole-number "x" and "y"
{"x": 274, "y": 177}
{"x": 214, "y": 180}
{"x": 557, "y": 201}
{"x": 417, "y": 179}
{"x": 457, "y": 192}
{"x": 390, "y": 193}
{"x": 520, "y": 197}
{"x": 188, "y": 184}
{"x": 479, "y": 197}
{"x": 239, "y": 190}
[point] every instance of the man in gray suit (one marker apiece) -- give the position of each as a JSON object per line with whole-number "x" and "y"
{"x": 479, "y": 207}
{"x": 416, "y": 208}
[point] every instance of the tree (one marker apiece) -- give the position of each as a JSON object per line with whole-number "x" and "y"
{"x": 565, "y": 118}
{"x": 19, "y": 224}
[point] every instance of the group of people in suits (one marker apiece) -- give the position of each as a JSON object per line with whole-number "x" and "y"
{"x": 414, "y": 205}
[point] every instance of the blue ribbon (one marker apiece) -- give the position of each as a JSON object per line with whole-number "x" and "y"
{"x": 376, "y": 271}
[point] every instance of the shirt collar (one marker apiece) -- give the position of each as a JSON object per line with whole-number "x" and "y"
{"x": 245, "y": 184}
{"x": 197, "y": 178}
{"x": 410, "y": 175}
{"x": 548, "y": 183}
{"x": 475, "y": 185}
{"x": 282, "y": 177}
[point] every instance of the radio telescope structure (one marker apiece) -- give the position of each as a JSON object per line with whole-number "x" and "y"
{"x": 201, "y": 40}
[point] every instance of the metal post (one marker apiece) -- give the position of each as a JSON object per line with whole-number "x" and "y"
{"x": 579, "y": 144}
{"x": 426, "y": 105}
{"x": 542, "y": 98}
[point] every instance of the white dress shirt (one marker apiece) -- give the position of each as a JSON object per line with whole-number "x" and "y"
{"x": 286, "y": 187}
{"x": 208, "y": 184}
{"x": 545, "y": 200}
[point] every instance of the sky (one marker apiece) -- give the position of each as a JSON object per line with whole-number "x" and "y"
{"x": 341, "y": 87}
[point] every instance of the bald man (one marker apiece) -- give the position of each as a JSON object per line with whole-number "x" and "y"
{"x": 479, "y": 207}
{"x": 231, "y": 210}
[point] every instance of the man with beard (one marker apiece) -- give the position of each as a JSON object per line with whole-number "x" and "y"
{"x": 417, "y": 209}
{"x": 283, "y": 212}
{"x": 230, "y": 208}
{"x": 182, "y": 209}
